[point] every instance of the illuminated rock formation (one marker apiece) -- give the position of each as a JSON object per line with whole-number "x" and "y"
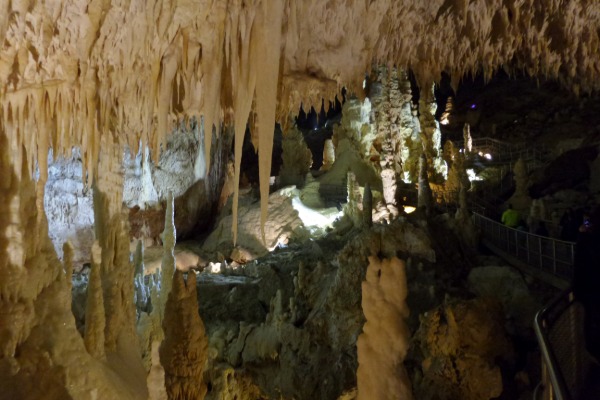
{"x": 384, "y": 342}
{"x": 461, "y": 342}
{"x": 431, "y": 136}
{"x": 283, "y": 226}
{"x": 387, "y": 110}
{"x": 467, "y": 139}
{"x": 69, "y": 208}
{"x": 328, "y": 155}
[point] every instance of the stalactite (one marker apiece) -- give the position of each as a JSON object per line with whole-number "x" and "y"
{"x": 269, "y": 43}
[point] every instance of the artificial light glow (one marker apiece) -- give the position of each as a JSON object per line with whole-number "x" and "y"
{"x": 487, "y": 156}
{"x": 409, "y": 209}
{"x": 473, "y": 176}
{"x": 214, "y": 268}
{"x": 315, "y": 218}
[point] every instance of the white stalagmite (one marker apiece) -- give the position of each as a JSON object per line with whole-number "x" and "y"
{"x": 384, "y": 341}
{"x": 467, "y": 139}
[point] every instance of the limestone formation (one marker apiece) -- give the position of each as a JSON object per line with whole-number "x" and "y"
{"x": 520, "y": 199}
{"x": 183, "y": 352}
{"x": 101, "y": 75}
{"x": 328, "y": 155}
{"x": 296, "y": 157}
{"x": 431, "y": 136}
{"x": 425, "y": 200}
{"x": 387, "y": 109}
{"x": 283, "y": 226}
{"x": 461, "y": 342}
{"x": 445, "y": 118}
{"x": 384, "y": 342}
{"x": 353, "y": 139}
{"x": 467, "y": 139}
{"x": 94, "y": 313}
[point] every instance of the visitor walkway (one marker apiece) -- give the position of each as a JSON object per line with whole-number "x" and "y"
{"x": 550, "y": 260}
{"x": 568, "y": 372}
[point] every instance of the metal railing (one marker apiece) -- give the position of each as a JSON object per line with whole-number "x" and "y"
{"x": 565, "y": 364}
{"x": 546, "y": 254}
{"x": 509, "y": 152}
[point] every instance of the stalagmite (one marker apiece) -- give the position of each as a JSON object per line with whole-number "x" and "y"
{"x": 384, "y": 342}
{"x": 387, "y": 109}
{"x": 94, "y": 313}
{"x": 431, "y": 135}
{"x": 328, "y": 155}
{"x": 168, "y": 259}
{"x": 425, "y": 200}
{"x": 183, "y": 352}
{"x": 68, "y": 264}
{"x": 467, "y": 139}
{"x": 296, "y": 159}
{"x": 520, "y": 198}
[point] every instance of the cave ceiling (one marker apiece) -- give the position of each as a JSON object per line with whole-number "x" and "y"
{"x": 72, "y": 71}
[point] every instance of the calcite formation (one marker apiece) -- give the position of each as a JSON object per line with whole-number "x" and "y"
{"x": 183, "y": 352}
{"x": 384, "y": 342}
{"x": 520, "y": 199}
{"x": 296, "y": 159}
{"x": 431, "y": 136}
{"x": 100, "y": 75}
{"x": 460, "y": 342}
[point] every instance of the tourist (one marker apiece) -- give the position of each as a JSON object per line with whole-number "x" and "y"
{"x": 541, "y": 229}
{"x": 511, "y": 217}
{"x": 568, "y": 225}
{"x": 586, "y": 280}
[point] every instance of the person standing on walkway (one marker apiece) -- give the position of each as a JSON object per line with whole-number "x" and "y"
{"x": 510, "y": 217}
{"x": 568, "y": 226}
{"x": 586, "y": 279}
